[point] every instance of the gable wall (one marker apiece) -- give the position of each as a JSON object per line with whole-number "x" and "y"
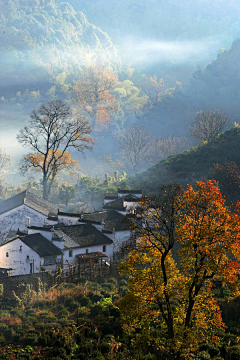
{"x": 15, "y": 219}
{"x": 17, "y": 258}
{"x": 118, "y": 238}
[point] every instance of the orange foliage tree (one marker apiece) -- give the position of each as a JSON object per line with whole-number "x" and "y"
{"x": 185, "y": 242}
{"x": 52, "y": 132}
{"x": 92, "y": 94}
{"x": 153, "y": 88}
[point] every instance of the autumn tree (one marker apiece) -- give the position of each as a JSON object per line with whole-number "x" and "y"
{"x": 207, "y": 124}
{"x": 51, "y": 133}
{"x": 153, "y": 88}
{"x": 135, "y": 143}
{"x": 185, "y": 241}
{"x": 91, "y": 94}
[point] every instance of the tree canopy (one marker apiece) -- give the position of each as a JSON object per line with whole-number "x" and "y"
{"x": 52, "y": 131}
{"x": 185, "y": 243}
{"x": 207, "y": 124}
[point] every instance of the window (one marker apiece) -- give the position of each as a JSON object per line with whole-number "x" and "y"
{"x": 7, "y": 254}
{"x": 70, "y": 253}
{"x": 86, "y": 251}
{"x": 20, "y": 248}
{"x": 27, "y": 257}
{"x": 104, "y": 248}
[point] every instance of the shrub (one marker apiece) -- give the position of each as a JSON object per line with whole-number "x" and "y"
{"x": 111, "y": 280}
{"x": 63, "y": 314}
{"x": 96, "y": 298}
{"x": 213, "y": 351}
{"x": 96, "y": 310}
{"x": 108, "y": 286}
{"x": 85, "y": 301}
{"x": 203, "y": 355}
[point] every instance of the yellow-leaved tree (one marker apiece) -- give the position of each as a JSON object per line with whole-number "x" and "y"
{"x": 184, "y": 243}
{"x": 91, "y": 94}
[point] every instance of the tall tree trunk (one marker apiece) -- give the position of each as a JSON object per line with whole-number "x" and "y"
{"x": 45, "y": 189}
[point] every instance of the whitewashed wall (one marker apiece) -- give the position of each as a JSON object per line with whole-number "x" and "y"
{"x": 17, "y": 258}
{"x": 73, "y": 260}
{"x": 15, "y": 219}
{"x": 118, "y": 238}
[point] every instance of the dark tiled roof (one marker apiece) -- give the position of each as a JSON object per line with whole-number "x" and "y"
{"x": 42, "y": 246}
{"x": 68, "y": 214}
{"x": 52, "y": 218}
{"x": 129, "y": 191}
{"x": 41, "y": 228}
{"x": 112, "y": 219}
{"x": 83, "y": 235}
{"x": 131, "y": 198}
{"x": 110, "y": 197}
{"x": 114, "y": 207}
{"x": 29, "y": 200}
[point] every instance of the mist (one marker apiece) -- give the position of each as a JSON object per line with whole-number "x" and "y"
{"x": 146, "y": 52}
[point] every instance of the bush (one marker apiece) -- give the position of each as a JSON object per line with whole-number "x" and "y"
{"x": 85, "y": 301}
{"x": 96, "y": 310}
{"x": 111, "y": 280}
{"x": 203, "y": 355}
{"x": 96, "y": 298}
{"x": 63, "y": 314}
{"x": 213, "y": 351}
{"x": 108, "y": 286}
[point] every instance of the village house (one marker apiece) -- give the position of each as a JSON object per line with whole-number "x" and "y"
{"x": 28, "y": 254}
{"x": 48, "y": 238}
{"x": 47, "y": 248}
{"x": 124, "y": 202}
{"x": 22, "y": 210}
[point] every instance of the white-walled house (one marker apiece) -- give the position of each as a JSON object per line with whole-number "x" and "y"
{"x": 46, "y": 248}
{"x": 124, "y": 202}
{"x": 83, "y": 239}
{"x": 112, "y": 224}
{"x": 21, "y": 210}
{"x": 28, "y": 254}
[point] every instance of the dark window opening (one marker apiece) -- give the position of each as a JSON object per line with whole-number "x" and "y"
{"x": 7, "y": 254}
{"x": 70, "y": 253}
{"x": 104, "y": 248}
{"x": 86, "y": 251}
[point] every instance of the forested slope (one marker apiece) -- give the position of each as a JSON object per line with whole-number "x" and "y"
{"x": 40, "y": 39}
{"x": 193, "y": 165}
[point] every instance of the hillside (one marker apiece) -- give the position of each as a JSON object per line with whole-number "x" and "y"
{"x": 215, "y": 86}
{"x": 190, "y": 166}
{"x": 39, "y": 39}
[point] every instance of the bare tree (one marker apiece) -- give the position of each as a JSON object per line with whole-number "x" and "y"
{"x": 161, "y": 148}
{"x": 135, "y": 143}
{"x": 52, "y": 131}
{"x": 4, "y": 163}
{"x": 207, "y": 124}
